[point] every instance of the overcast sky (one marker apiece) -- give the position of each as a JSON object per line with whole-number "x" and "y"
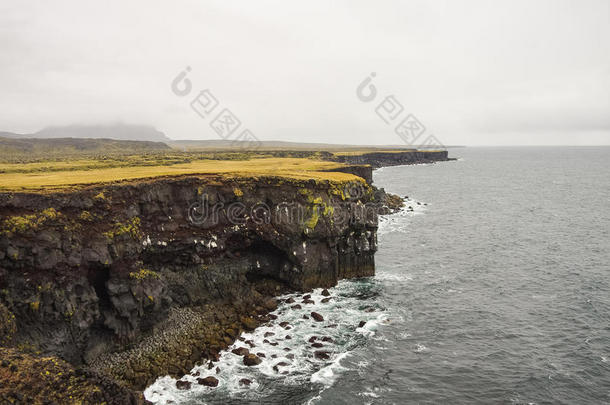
{"x": 473, "y": 72}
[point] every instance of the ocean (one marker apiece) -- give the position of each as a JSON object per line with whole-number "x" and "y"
{"x": 495, "y": 288}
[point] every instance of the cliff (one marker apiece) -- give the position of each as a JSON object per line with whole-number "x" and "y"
{"x": 393, "y": 158}
{"x": 96, "y": 271}
{"x": 132, "y": 280}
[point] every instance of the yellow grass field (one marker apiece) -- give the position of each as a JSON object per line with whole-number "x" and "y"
{"x": 64, "y": 175}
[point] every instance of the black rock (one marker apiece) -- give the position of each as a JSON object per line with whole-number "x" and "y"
{"x": 183, "y": 385}
{"x": 317, "y": 317}
{"x": 208, "y": 381}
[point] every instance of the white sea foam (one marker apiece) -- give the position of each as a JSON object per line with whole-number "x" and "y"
{"x": 420, "y": 348}
{"x": 344, "y": 309}
{"x": 328, "y": 375}
{"x": 399, "y": 221}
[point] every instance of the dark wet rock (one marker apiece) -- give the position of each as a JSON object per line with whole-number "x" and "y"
{"x": 287, "y": 327}
{"x": 290, "y": 300}
{"x": 287, "y": 349}
{"x": 327, "y": 339}
{"x": 158, "y": 300}
{"x": 196, "y": 374}
{"x": 241, "y": 338}
{"x": 332, "y": 325}
{"x": 245, "y": 381}
{"x": 297, "y": 306}
{"x": 252, "y": 360}
{"x": 250, "y": 343}
{"x": 317, "y": 345}
{"x": 266, "y": 341}
{"x": 317, "y": 317}
{"x": 321, "y": 354}
{"x": 270, "y": 304}
{"x": 325, "y": 293}
{"x": 273, "y": 343}
{"x": 208, "y": 381}
{"x": 272, "y": 316}
{"x": 369, "y": 309}
{"x": 312, "y": 339}
{"x": 249, "y": 323}
{"x": 183, "y": 385}
{"x": 287, "y": 337}
{"x": 217, "y": 370}
{"x": 280, "y": 364}
{"x": 240, "y": 351}
{"x": 210, "y": 365}
{"x": 283, "y": 324}
{"x": 361, "y": 324}
{"x": 290, "y": 356}
{"x": 325, "y": 300}
{"x": 267, "y": 334}
{"x": 261, "y": 355}
{"x": 305, "y": 316}
{"x": 274, "y": 356}
{"x": 308, "y": 302}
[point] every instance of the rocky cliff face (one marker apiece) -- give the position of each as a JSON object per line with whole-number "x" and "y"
{"x": 141, "y": 280}
{"x": 379, "y": 159}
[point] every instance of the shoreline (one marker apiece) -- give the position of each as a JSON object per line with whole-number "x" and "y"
{"x": 214, "y": 280}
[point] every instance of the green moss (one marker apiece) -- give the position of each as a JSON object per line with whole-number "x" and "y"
{"x": 86, "y": 216}
{"x": 7, "y": 325}
{"x": 329, "y": 210}
{"x": 24, "y": 223}
{"x": 313, "y": 219}
{"x": 35, "y": 305}
{"x": 131, "y": 228}
{"x": 144, "y": 274}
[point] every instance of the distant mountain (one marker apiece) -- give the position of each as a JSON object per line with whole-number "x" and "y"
{"x": 54, "y": 146}
{"x": 118, "y": 131}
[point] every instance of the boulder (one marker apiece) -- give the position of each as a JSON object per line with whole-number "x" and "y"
{"x": 317, "y": 317}
{"x": 252, "y": 360}
{"x": 208, "y": 381}
{"x": 321, "y": 355}
{"x": 240, "y": 351}
{"x": 183, "y": 385}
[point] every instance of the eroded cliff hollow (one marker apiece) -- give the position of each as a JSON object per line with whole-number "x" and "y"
{"x": 143, "y": 279}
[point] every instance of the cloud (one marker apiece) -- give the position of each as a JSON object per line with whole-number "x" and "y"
{"x": 475, "y": 72}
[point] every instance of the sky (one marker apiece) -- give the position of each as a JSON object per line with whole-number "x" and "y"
{"x": 470, "y": 72}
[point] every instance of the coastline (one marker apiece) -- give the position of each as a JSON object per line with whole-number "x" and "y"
{"x": 163, "y": 295}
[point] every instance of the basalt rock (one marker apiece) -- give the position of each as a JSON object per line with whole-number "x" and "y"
{"x": 252, "y": 360}
{"x": 208, "y": 381}
{"x": 317, "y": 316}
{"x": 143, "y": 279}
{"x": 379, "y": 159}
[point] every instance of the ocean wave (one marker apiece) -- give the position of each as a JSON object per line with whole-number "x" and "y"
{"x": 290, "y": 356}
{"x": 399, "y": 221}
